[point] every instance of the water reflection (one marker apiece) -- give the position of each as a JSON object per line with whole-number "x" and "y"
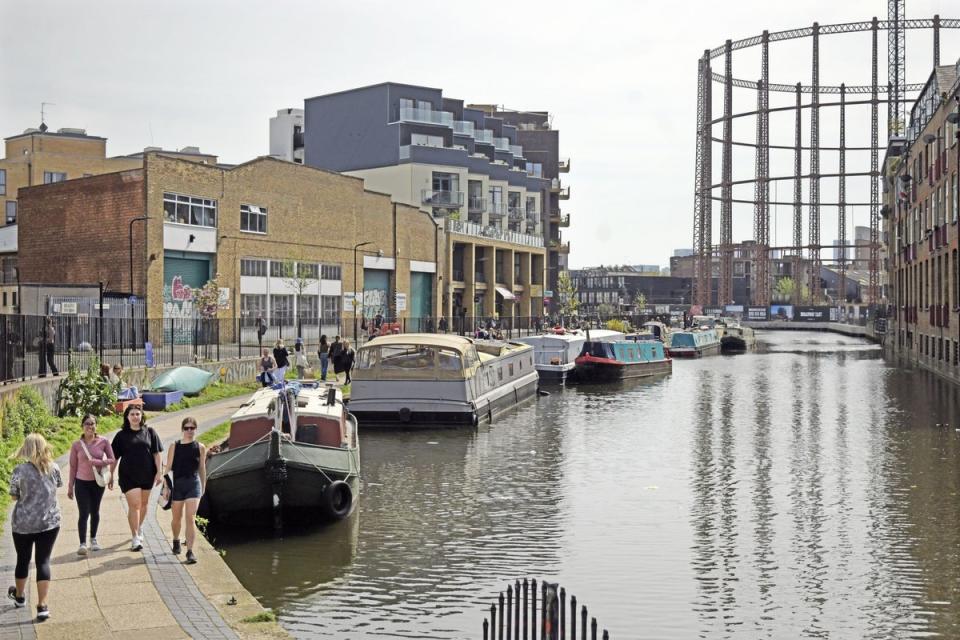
{"x": 806, "y": 490}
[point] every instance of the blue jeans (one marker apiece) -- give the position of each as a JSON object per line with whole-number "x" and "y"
{"x": 324, "y": 358}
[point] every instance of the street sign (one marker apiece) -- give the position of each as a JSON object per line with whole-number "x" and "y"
{"x": 548, "y": 293}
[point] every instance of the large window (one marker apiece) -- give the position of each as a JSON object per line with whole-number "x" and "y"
{"x": 253, "y": 218}
{"x": 330, "y": 272}
{"x": 253, "y": 306}
{"x": 308, "y": 271}
{"x": 331, "y": 308}
{"x": 3, "y": 182}
{"x": 307, "y": 307}
{"x": 189, "y": 210}
{"x": 281, "y": 269}
{"x": 11, "y": 212}
{"x": 53, "y": 176}
{"x": 255, "y": 268}
{"x": 281, "y": 309}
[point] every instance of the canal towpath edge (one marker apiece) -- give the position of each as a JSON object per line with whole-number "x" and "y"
{"x": 117, "y": 593}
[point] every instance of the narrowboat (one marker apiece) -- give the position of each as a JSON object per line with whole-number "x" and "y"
{"x": 621, "y": 360}
{"x": 292, "y": 454}
{"x": 694, "y": 343}
{"x": 429, "y": 380}
{"x": 555, "y": 352}
{"x": 737, "y": 339}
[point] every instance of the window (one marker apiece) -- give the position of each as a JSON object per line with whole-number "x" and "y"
{"x": 4, "y": 298}
{"x": 282, "y": 269}
{"x": 3, "y": 182}
{"x": 255, "y": 268}
{"x": 330, "y": 272}
{"x": 189, "y": 210}
{"x": 307, "y": 271}
{"x": 330, "y": 306}
{"x": 423, "y": 140}
{"x": 307, "y": 307}
{"x": 281, "y": 309}
{"x": 11, "y": 212}
{"x": 253, "y": 218}
{"x": 53, "y": 176}
{"x": 253, "y": 306}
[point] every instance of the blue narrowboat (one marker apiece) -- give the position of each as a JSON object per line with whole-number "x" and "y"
{"x": 694, "y": 343}
{"x": 621, "y": 360}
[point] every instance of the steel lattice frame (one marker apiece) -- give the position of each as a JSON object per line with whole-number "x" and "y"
{"x": 897, "y": 93}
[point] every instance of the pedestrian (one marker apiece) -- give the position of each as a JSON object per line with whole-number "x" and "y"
{"x": 48, "y": 342}
{"x": 442, "y": 325}
{"x": 323, "y": 352}
{"x": 137, "y": 448}
{"x": 282, "y": 357}
{"x": 36, "y": 518}
{"x": 187, "y": 462}
{"x": 378, "y": 321}
{"x": 261, "y": 329}
{"x": 336, "y": 355}
{"x": 268, "y": 368}
{"x": 348, "y": 357}
{"x": 300, "y": 359}
{"x": 90, "y": 456}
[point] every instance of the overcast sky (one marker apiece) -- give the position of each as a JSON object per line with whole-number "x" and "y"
{"x": 619, "y": 78}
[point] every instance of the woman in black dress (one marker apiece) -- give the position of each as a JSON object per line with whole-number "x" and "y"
{"x": 137, "y": 449}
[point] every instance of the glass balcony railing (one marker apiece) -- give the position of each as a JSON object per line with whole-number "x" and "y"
{"x": 476, "y": 204}
{"x": 516, "y": 150}
{"x": 501, "y": 144}
{"x": 496, "y": 209}
{"x": 429, "y": 116}
{"x": 563, "y": 165}
{"x": 438, "y": 198}
{"x": 483, "y": 135}
{"x": 462, "y": 127}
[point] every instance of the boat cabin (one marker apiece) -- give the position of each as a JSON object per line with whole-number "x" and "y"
{"x": 308, "y": 414}
{"x": 626, "y": 351}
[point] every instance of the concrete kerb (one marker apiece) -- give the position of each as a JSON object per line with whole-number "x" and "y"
{"x": 182, "y": 601}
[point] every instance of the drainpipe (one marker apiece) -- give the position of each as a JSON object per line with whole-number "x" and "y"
{"x": 393, "y": 303}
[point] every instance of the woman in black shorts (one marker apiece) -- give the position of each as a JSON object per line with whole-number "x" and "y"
{"x": 187, "y": 461}
{"x": 137, "y": 448}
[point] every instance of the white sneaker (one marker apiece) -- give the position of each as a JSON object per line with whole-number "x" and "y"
{"x": 136, "y": 544}
{"x": 94, "y": 545}
{"x": 82, "y": 551}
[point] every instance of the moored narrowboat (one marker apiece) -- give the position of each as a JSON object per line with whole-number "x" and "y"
{"x": 694, "y": 343}
{"x": 621, "y": 360}
{"x": 737, "y": 339}
{"x": 556, "y": 351}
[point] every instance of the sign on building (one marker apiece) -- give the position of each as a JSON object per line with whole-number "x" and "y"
{"x": 401, "y": 302}
{"x": 68, "y": 308}
{"x": 758, "y": 313}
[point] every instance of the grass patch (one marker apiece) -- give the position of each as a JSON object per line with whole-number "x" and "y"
{"x": 263, "y": 616}
{"x": 215, "y": 434}
{"x": 214, "y": 392}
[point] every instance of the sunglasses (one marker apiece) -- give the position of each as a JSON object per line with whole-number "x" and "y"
{"x": 189, "y": 428}
{"x": 89, "y": 424}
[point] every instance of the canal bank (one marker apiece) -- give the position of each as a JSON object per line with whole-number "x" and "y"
{"x": 116, "y": 593}
{"x": 852, "y": 330}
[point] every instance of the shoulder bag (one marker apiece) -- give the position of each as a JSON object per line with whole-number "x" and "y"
{"x": 101, "y": 474}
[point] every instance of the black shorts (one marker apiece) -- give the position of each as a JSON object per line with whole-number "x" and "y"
{"x": 186, "y": 488}
{"x": 127, "y": 484}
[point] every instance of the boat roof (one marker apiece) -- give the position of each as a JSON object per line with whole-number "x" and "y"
{"x": 310, "y": 401}
{"x": 458, "y": 343}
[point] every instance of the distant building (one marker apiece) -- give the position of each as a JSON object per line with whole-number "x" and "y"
{"x": 286, "y": 135}
{"x": 681, "y": 253}
{"x": 619, "y": 287}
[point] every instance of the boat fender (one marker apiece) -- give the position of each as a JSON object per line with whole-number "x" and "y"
{"x": 405, "y": 414}
{"x": 542, "y": 392}
{"x": 476, "y": 419}
{"x": 337, "y": 500}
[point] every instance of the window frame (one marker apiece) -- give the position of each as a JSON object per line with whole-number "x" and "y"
{"x": 3, "y": 182}
{"x": 253, "y": 262}
{"x": 183, "y": 209}
{"x": 6, "y": 212}
{"x": 52, "y": 177}
{"x": 260, "y": 215}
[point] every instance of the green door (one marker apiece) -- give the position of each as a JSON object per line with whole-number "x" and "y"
{"x": 181, "y": 276}
{"x": 421, "y": 302}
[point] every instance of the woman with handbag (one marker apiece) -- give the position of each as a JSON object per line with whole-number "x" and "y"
{"x": 91, "y": 458}
{"x": 137, "y": 447}
{"x": 187, "y": 462}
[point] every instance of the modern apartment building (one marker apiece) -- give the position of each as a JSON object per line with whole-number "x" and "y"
{"x": 286, "y": 135}
{"x": 281, "y": 239}
{"x": 465, "y": 167}
{"x": 921, "y": 210}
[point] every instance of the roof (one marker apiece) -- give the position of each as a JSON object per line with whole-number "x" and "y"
{"x": 55, "y": 134}
{"x": 457, "y": 343}
{"x": 371, "y": 86}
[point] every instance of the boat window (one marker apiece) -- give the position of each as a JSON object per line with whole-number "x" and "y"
{"x": 406, "y": 357}
{"x": 448, "y": 360}
{"x": 470, "y": 358}
{"x": 511, "y": 370}
{"x": 500, "y": 373}
{"x": 367, "y": 359}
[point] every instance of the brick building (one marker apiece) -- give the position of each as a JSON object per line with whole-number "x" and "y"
{"x": 281, "y": 237}
{"x": 921, "y": 210}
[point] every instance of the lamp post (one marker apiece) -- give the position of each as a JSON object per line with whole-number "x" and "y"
{"x": 355, "y": 247}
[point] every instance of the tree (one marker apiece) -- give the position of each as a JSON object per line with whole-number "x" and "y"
{"x": 640, "y": 301}
{"x": 606, "y": 310}
{"x": 566, "y": 294}
{"x": 300, "y": 277}
{"x": 207, "y": 298}
{"x": 786, "y": 287}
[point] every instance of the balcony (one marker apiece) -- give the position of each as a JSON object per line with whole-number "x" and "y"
{"x": 563, "y": 221}
{"x": 426, "y": 116}
{"x": 516, "y": 150}
{"x": 517, "y": 212}
{"x": 496, "y": 210}
{"x": 559, "y": 247}
{"x": 464, "y": 128}
{"x": 501, "y": 144}
{"x": 476, "y": 204}
{"x": 442, "y": 199}
{"x": 562, "y": 192}
{"x": 563, "y": 165}
{"x": 484, "y": 135}
{"x": 493, "y": 232}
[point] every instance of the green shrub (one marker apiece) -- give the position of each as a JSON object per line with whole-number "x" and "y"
{"x": 86, "y": 392}
{"x": 618, "y": 325}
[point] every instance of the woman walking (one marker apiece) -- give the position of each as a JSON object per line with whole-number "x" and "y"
{"x": 300, "y": 359}
{"x": 187, "y": 460}
{"x": 348, "y": 356}
{"x": 137, "y": 448}
{"x": 89, "y": 456}
{"x": 282, "y": 357}
{"x": 336, "y": 356}
{"x": 323, "y": 352}
{"x": 36, "y": 518}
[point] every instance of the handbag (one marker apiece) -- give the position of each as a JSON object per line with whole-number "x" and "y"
{"x": 101, "y": 474}
{"x": 165, "y": 499}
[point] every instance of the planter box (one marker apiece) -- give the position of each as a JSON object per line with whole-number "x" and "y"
{"x": 160, "y": 400}
{"x": 121, "y": 405}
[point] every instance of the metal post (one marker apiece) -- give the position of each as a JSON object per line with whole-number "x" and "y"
{"x": 760, "y": 278}
{"x": 100, "y": 325}
{"x": 355, "y": 247}
{"x": 703, "y": 202}
{"x": 797, "y": 198}
{"x": 896, "y": 66}
{"x": 936, "y": 41}
{"x": 573, "y": 617}
{"x": 725, "y": 286}
{"x": 814, "y": 231}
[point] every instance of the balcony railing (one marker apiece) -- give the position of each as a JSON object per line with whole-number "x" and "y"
{"x": 479, "y": 276}
{"x": 446, "y": 199}
{"x": 502, "y": 144}
{"x": 564, "y": 193}
{"x": 559, "y": 247}
{"x": 483, "y": 135}
{"x": 517, "y": 213}
{"x": 516, "y": 150}
{"x": 462, "y": 127}
{"x": 564, "y": 221}
{"x": 476, "y": 204}
{"x": 428, "y": 116}
{"x": 563, "y": 165}
{"x": 493, "y": 232}
{"x": 496, "y": 209}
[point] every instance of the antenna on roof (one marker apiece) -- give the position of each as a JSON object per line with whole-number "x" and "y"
{"x": 43, "y": 105}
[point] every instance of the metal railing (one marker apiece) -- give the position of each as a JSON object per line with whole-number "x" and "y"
{"x": 518, "y": 613}
{"x": 563, "y": 165}
{"x": 494, "y": 232}
{"x": 429, "y": 116}
{"x": 516, "y": 150}
{"x": 476, "y": 204}
{"x": 436, "y": 198}
{"x": 496, "y": 209}
{"x": 517, "y": 212}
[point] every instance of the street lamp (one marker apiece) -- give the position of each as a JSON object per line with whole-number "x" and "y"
{"x": 355, "y": 247}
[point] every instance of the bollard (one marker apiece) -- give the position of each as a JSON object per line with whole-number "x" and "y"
{"x": 533, "y": 609}
{"x": 500, "y": 626}
{"x": 573, "y": 617}
{"x": 516, "y": 623}
{"x": 525, "y": 609}
{"x": 583, "y": 622}
{"x": 493, "y": 621}
{"x": 562, "y": 616}
{"x": 509, "y": 610}
{"x": 593, "y": 629}
{"x": 485, "y": 625}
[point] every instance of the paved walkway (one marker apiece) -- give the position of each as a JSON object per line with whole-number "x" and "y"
{"x": 117, "y": 593}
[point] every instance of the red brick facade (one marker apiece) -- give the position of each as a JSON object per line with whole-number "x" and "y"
{"x": 77, "y": 232}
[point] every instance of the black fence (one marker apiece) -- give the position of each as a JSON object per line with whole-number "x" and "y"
{"x": 517, "y": 615}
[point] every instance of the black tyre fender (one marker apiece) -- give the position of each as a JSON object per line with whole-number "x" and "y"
{"x": 337, "y": 500}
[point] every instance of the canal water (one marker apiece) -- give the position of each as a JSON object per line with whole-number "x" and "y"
{"x": 805, "y": 490}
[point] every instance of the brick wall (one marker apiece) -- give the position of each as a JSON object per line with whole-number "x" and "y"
{"x": 76, "y": 232}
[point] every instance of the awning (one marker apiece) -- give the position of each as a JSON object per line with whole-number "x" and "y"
{"x": 506, "y": 293}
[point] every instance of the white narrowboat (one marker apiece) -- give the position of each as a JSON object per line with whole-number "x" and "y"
{"x": 555, "y": 352}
